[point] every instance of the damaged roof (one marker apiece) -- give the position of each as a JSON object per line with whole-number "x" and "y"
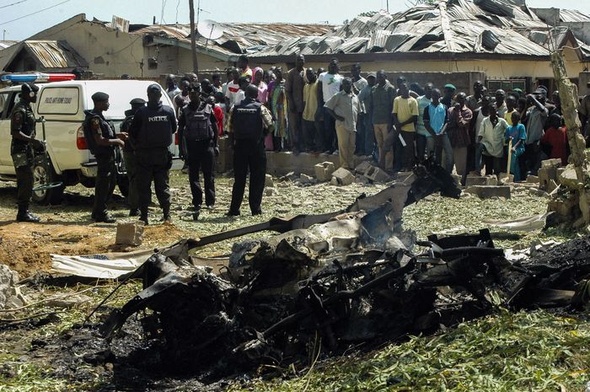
{"x": 454, "y": 26}
{"x": 237, "y": 38}
{"x": 50, "y": 55}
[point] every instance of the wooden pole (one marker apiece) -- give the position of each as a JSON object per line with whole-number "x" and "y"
{"x": 193, "y": 39}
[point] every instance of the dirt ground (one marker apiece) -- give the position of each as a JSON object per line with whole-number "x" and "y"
{"x": 67, "y": 229}
{"x": 26, "y": 247}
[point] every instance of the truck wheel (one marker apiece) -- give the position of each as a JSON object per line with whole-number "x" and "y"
{"x": 43, "y": 175}
{"x": 123, "y": 184}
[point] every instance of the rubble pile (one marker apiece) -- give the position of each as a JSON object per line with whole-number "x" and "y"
{"x": 354, "y": 281}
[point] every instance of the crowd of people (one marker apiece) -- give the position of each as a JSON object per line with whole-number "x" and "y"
{"x": 398, "y": 124}
{"x": 308, "y": 110}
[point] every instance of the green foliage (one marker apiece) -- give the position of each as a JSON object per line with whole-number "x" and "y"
{"x": 535, "y": 351}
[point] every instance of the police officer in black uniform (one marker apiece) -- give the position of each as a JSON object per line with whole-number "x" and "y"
{"x": 151, "y": 133}
{"x": 22, "y": 129}
{"x": 250, "y": 121}
{"x": 129, "y": 156}
{"x": 197, "y": 129}
{"x": 100, "y": 135}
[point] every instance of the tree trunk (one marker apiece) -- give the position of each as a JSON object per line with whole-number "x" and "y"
{"x": 568, "y": 95}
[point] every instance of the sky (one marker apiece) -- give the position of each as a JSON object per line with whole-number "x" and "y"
{"x": 19, "y": 19}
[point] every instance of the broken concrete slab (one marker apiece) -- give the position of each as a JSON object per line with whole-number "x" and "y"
{"x": 554, "y": 162}
{"x": 569, "y": 178}
{"x": 304, "y": 179}
{"x": 342, "y": 176}
{"x": 129, "y": 233}
{"x": 10, "y": 295}
{"x": 376, "y": 174}
{"x": 474, "y": 179}
{"x": 532, "y": 179}
{"x": 363, "y": 168}
{"x": 323, "y": 171}
{"x": 489, "y": 191}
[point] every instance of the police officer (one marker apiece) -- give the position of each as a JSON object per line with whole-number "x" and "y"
{"x": 22, "y": 129}
{"x": 197, "y": 129}
{"x": 100, "y": 135}
{"x": 129, "y": 156}
{"x": 250, "y": 121}
{"x": 151, "y": 133}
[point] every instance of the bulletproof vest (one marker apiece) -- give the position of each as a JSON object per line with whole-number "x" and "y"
{"x": 156, "y": 131}
{"x": 198, "y": 123}
{"x": 247, "y": 120}
{"x": 106, "y": 130}
{"x": 28, "y": 125}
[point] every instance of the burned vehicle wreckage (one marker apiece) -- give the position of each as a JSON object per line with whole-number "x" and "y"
{"x": 331, "y": 282}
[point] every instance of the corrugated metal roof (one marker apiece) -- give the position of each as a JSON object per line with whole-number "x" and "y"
{"x": 453, "y": 26}
{"x": 5, "y": 44}
{"x": 568, "y": 16}
{"x": 238, "y": 38}
{"x": 55, "y": 54}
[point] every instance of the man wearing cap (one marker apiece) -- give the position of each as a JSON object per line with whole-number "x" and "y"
{"x": 249, "y": 123}
{"x": 22, "y": 129}
{"x": 197, "y": 128}
{"x": 448, "y": 94}
{"x": 100, "y": 136}
{"x": 151, "y": 134}
{"x": 129, "y": 156}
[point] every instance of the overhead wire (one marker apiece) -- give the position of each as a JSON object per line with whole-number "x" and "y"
{"x": 34, "y": 13}
{"x": 10, "y": 5}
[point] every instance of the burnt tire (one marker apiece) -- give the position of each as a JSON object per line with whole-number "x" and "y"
{"x": 43, "y": 175}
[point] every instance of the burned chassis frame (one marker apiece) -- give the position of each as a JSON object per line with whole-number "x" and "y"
{"x": 214, "y": 326}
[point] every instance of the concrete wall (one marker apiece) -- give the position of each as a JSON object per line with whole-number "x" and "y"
{"x": 111, "y": 53}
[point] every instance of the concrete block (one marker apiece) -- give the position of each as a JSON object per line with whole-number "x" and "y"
{"x": 324, "y": 170}
{"x": 363, "y": 168}
{"x": 343, "y": 176}
{"x": 505, "y": 178}
{"x": 129, "y": 233}
{"x": 473, "y": 179}
{"x": 547, "y": 174}
{"x": 376, "y": 174}
{"x": 555, "y": 162}
{"x": 568, "y": 178}
{"x": 530, "y": 179}
{"x": 489, "y": 191}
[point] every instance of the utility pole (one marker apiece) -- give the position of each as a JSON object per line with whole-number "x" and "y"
{"x": 191, "y": 4}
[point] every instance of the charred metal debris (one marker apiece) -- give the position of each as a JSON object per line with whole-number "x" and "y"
{"x": 351, "y": 279}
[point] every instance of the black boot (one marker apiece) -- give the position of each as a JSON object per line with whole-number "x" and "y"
{"x": 24, "y": 215}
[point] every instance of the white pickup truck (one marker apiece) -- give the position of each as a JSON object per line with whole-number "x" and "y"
{"x": 61, "y": 105}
